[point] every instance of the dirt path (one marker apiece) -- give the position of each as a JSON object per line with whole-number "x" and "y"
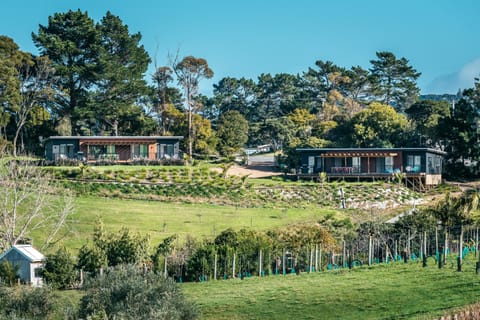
{"x": 253, "y": 171}
{"x": 258, "y": 167}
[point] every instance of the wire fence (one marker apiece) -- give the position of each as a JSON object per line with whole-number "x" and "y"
{"x": 439, "y": 246}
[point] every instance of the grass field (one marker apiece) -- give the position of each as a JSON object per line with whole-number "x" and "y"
{"x": 395, "y": 291}
{"x": 160, "y": 219}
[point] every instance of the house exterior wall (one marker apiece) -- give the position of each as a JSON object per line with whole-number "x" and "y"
{"x": 410, "y": 160}
{"x": 152, "y": 151}
{"x": 26, "y": 271}
{"x": 53, "y": 148}
{"x": 406, "y": 165}
{"x": 35, "y": 279}
{"x": 122, "y": 151}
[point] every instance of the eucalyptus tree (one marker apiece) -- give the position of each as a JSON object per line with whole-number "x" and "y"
{"x": 164, "y": 96}
{"x": 189, "y": 71}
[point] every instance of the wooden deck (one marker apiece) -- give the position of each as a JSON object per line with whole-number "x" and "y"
{"x": 420, "y": 181}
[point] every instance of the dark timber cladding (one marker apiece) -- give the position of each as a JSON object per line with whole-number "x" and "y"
{"x": 112, "y": 148}
{"x": 420, "y": 168}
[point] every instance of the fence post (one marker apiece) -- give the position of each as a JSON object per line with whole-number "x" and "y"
{"x": 460, "y": 251}
{"x": 320, "y": 257}
{"x": 260, "y": 263}
{"x": 215, "y": 267}
{"x": 370, "y": 250}
{"x": 445, "y": 248}
{"x": 476, "y": 242}
{"x": 310, "y": 266}
{"x": 395, "y": 243}
{"x": 424, "y": 249}
{"x": 233, "y": 266}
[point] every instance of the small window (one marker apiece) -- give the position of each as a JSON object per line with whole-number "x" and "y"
{"x": 38, "y": 272}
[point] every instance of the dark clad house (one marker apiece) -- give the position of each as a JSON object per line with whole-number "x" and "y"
{"x": 112, "y": 148}
{"x": 420, "y": 167}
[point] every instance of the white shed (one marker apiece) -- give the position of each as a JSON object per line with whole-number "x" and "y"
{"x": 29, "y": 261}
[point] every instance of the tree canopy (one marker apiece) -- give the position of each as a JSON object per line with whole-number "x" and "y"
{"x": 90, "y": 79}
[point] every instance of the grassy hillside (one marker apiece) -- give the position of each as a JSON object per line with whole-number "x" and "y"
{"x": 202, "y": 202}
{"x": 395, "y": 291}
{"x": 160, "y": 219}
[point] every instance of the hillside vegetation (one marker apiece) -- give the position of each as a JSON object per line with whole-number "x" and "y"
{"x": 207, "y": 185}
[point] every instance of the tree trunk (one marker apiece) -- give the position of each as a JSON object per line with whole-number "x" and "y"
{"x": 115, "y": 127}
{"x": 190, "y": 125}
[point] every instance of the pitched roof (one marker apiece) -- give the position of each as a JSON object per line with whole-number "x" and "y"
{"x": 26, "y": 250}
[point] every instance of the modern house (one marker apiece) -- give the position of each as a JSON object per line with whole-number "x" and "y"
{"x": 112, "y": 148}
{"x": 29, "y": 262}
{"x": 420, "y": 167}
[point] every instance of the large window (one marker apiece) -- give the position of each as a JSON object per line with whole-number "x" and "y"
{"x": 414, "y": 163}
{"x": 356, "y": 164}
{"x": 140, "y": 151}
{"x": 168, "y": 150}
{"x": 96, "y": 151}
{"x": 389, "y": 164}
{"x": 438, "y": 165}
{"x": 102, "y": 152}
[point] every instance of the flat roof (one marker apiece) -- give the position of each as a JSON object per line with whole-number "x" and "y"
{"x": 431, "y": 150}
{"x": 115, "y": 137}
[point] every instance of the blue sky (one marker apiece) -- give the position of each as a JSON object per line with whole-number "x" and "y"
{"x": 250, "y": 37}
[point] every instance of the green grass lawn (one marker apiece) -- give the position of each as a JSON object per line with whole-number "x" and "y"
{"x": 160, "y": 219}
{"x": 395, "y": 291}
